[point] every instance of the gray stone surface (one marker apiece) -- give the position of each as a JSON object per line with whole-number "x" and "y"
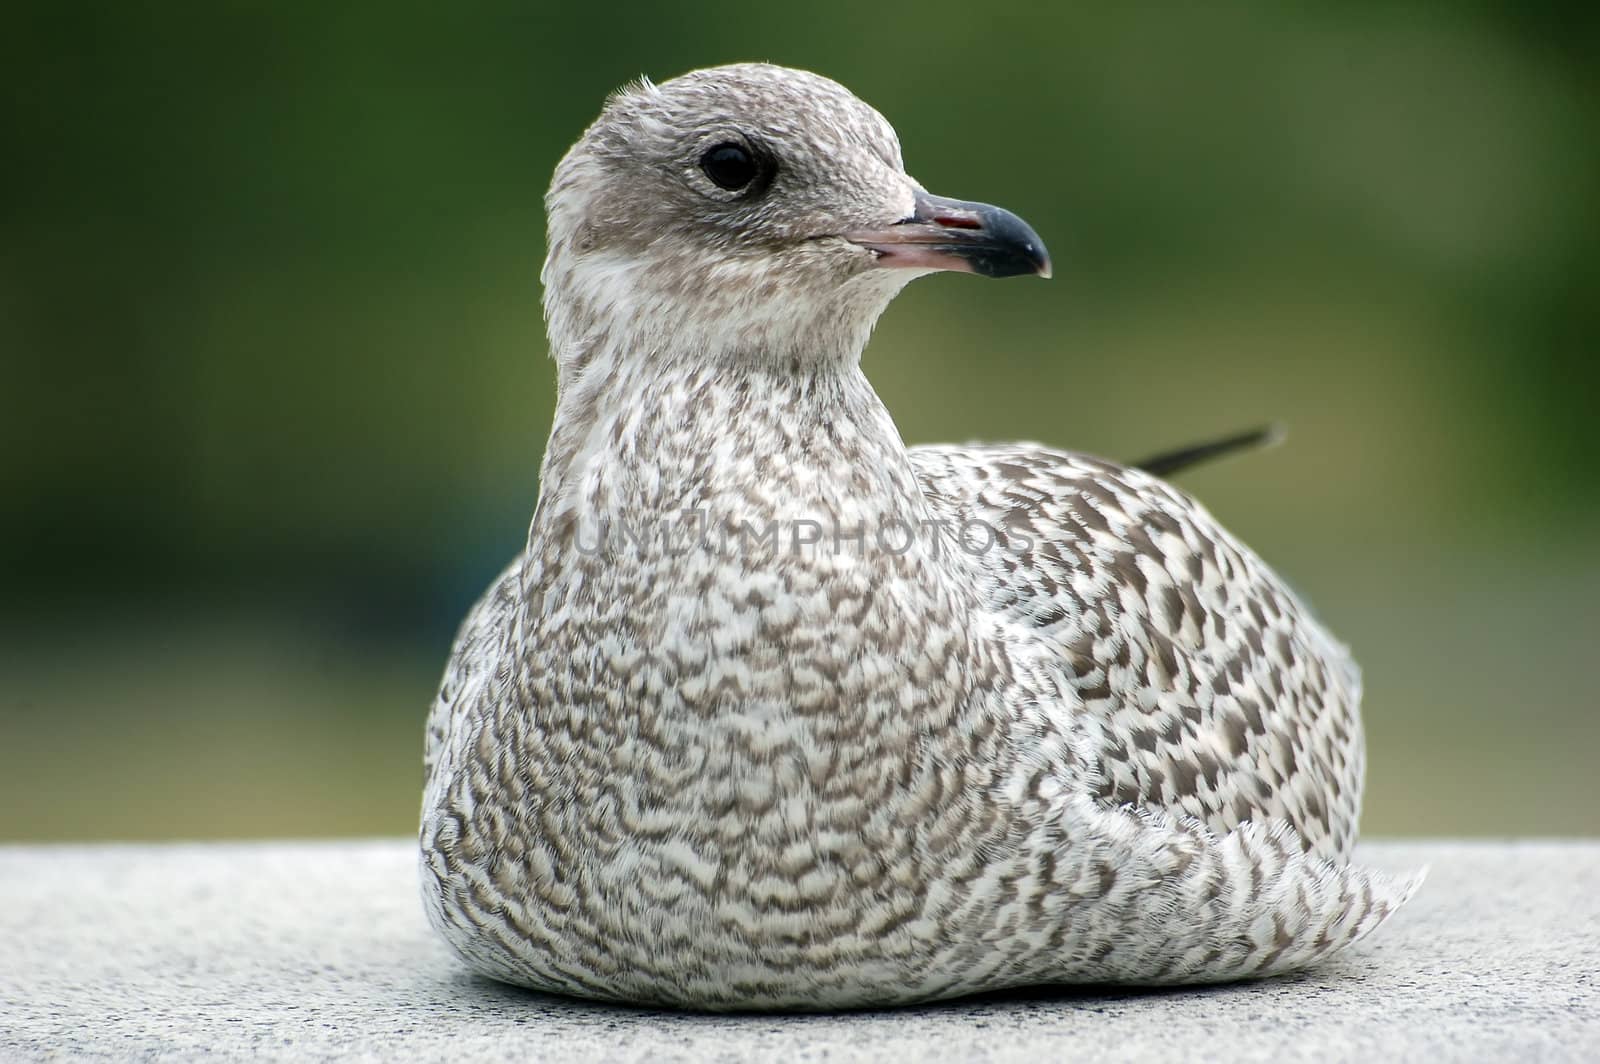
{"x": 317, "y": 950}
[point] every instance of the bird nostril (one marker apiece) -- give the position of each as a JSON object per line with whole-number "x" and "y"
{"x": 957, "y": 221}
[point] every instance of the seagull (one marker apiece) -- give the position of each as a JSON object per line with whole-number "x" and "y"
{"x": 776, "y": 712}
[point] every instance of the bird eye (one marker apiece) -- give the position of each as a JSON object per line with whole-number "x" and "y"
{"x": 730, "y": 166}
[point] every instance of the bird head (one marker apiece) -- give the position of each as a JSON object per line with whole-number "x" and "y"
{"x": 750, "y": 212}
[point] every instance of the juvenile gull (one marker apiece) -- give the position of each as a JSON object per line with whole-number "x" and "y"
{"x": 776, "y": 712}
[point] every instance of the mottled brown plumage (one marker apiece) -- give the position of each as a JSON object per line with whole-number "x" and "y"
{"x": 776, "y": 712}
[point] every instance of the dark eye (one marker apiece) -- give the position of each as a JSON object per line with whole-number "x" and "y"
{"x": 730, "y": 166}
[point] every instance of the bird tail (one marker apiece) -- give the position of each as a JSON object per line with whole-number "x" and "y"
{"x": 1188, "y": 906}
{"x": 1169, "y": 463}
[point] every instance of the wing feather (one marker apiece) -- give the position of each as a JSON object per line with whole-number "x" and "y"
{"x": 1217, "y": 695}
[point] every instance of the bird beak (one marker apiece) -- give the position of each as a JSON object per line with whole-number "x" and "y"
{"x": 947, "y": 234}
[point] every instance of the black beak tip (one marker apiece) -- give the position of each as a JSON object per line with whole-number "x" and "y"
{"x": 1012, "y": 250}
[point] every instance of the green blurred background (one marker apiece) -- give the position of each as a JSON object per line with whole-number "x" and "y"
{"x": 273, "y": 387}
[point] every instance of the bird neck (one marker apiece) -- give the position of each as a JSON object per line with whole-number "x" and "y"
{"x": 610, "y": 312}
{"x": 759, "y": 441}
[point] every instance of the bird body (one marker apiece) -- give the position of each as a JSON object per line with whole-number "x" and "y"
{"x": 776, "y": 712}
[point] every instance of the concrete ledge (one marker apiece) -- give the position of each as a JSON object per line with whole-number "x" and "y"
{"x": 316, "y": 950}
